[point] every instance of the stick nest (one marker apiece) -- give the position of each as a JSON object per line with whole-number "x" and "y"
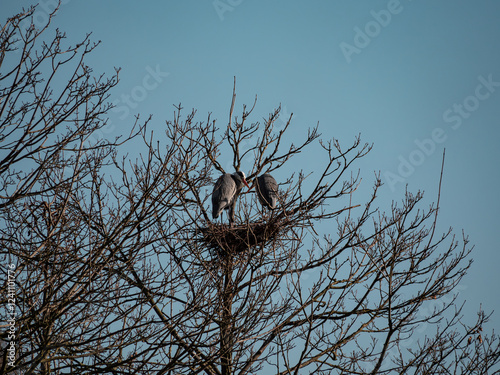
{"x": 237, "y": 238}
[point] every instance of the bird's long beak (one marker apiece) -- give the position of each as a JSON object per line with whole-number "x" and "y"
{"x": 245, "y": 182}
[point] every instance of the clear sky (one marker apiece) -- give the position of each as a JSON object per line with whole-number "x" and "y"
{"x": 413, "y": 77}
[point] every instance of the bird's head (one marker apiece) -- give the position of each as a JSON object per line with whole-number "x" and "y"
{"x": 241, "y": 177}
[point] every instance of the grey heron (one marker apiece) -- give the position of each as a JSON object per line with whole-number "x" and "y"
{"x": 226, "y": 191}
{"x": 267, "y": 190}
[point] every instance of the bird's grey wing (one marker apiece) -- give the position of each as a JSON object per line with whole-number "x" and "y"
{"x": 217, "y": 205}
{"x": 224, "y": 190}
{"x": 267, "y": 189}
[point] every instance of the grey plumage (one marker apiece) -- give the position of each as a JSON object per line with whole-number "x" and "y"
{"x": 267, "y": 190}
{"x": 226, "y": 191}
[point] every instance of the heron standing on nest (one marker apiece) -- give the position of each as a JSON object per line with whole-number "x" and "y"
{"x": 267, "y": 190}
{"x": 226, "y": 191}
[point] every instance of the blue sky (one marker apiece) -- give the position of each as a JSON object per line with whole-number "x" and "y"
{"x": 417, "y": 77}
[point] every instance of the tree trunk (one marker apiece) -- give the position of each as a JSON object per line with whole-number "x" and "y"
{"x": 226, "y": 327}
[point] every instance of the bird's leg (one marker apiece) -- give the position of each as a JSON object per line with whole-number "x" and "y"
{"x": 231, "y": 212}
{"x": 264, "y": 214}
{"x": 231, "y": 215}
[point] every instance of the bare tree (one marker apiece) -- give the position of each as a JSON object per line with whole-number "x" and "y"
{"x": 49, "y": 158}
{"x": 120, "y": 270}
